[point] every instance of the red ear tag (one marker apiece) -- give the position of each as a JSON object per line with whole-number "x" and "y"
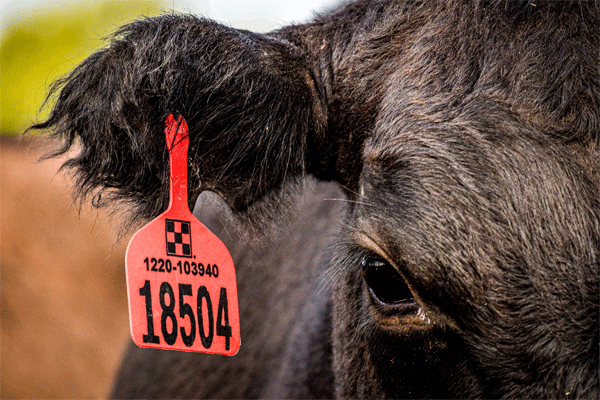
{"x": 181, "y": 281}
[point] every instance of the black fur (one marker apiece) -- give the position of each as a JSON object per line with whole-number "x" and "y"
{"x": 465, "y": 136}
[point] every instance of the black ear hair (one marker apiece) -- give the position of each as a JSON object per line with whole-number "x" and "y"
{"x": 253, "y": 108}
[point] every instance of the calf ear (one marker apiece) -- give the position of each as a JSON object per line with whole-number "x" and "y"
{"x": 255, "y": 116}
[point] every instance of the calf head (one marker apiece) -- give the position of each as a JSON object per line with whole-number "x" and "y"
{"x": 465, "y": 136}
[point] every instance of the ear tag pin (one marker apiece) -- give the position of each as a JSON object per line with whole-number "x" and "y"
{"x": 181, "y": 282}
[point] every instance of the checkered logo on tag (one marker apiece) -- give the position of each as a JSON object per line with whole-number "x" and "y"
{"x": 179, "y": 238}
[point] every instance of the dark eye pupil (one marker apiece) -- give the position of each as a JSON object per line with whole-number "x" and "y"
{"x": 385, "y": 282}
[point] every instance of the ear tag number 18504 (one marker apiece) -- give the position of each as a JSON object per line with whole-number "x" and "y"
{"x": 181, "y": 282}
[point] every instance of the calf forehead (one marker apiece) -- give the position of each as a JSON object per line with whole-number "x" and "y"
{"x": 477, "y": 120}
{"x": 486, "y": 169}
{"x": 541, "y": 64}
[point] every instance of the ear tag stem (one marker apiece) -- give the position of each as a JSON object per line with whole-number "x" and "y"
{"x": 181, "y": 283}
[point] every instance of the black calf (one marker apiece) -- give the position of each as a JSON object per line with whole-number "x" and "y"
{"x": 465, "y": 138}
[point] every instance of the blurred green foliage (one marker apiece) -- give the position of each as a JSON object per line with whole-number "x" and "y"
{"x": 46, "y": 44}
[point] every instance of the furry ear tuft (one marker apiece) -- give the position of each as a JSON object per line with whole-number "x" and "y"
{"x": 250, "y": 102}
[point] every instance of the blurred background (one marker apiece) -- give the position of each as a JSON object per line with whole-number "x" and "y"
{"x": 64, "y": 322}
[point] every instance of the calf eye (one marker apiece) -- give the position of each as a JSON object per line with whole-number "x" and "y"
{"x": 385, "y": 282}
